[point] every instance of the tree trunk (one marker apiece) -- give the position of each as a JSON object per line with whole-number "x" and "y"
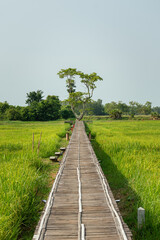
{"x": 78, "y": 117}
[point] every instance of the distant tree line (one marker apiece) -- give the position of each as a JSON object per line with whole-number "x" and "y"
{"x": 51, "y": 108}
{"x": 38, "y": 109}
{"x": 116, "y": 109}
{"x": 133, "y": 108}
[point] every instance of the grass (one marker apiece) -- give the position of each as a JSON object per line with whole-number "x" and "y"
{"x": 124, "y": 117}
{"x": 130, "y": 158}
{"x": 24, "y": 176}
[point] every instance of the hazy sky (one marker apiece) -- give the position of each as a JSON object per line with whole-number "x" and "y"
{"x": 118, "y": 39}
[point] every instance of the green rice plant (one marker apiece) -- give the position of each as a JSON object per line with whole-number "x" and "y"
{"x": 130, "y": 158}
{"x": 24, "y": 175}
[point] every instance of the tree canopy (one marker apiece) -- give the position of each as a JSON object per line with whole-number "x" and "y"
{"x": 34, "y": 97}
{"x": 78, "y": 99}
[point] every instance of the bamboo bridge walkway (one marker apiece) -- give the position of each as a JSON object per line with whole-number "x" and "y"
{"x": 81, "y": 205}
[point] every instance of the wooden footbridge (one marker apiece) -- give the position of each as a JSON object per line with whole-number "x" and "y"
{"x": 81, "y": 205}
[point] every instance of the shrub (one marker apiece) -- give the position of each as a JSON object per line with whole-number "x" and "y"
{"x": 116, "y": 114}
{"x": 66, "y": 112}
{"x": 155, "y": 115}
{"x": 13, "y": 114}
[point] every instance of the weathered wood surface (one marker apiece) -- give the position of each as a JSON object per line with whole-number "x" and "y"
{"x": 99, "y": 219}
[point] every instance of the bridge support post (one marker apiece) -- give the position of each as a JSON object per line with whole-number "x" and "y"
{"x": 67, "y": 136}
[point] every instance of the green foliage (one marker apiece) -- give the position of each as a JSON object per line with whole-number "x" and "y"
{"x": 70, "y": 73}
{"x": 40, "y": 110}
{"x": 129, "y": 154}
{"x": 132, "y": 108}
{"x": 123, "y": 107}
{"x": 3, "y": 107}
{"x": 80, "y": 103}
{"x": 44, "y": 110}
{"x": 156, "y": 109}
{"x": 131, "y": 115}
{"x": 109, "y": 107}
{"x": 116, "y": 114}
{"x": 24, "y": 176}
{"x": 147, "y": 108}
{"x": 78, "y": 100}
{"x": 95, "y": 108}
{"x": 137, "y": 108}
{"x": 66, "y": 112}
{"x": 13, "y": 113}
{"x": 34, "y": 97}
{"x": 48, "y": 109}
{"x": 155, "y": 115}
{"x": 26, "y": 114}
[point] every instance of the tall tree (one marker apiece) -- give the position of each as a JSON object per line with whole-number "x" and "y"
{"x": 34, "y": 97}
{"x": 123, "y": 107}
{"x": 49, "y": 109}
{"x": 3, "y": 107}
{"x": 147, "y": 108}
{"x": 109, "y": 107}
{"x": 78, "y": 100}
{"x": 156, "y": 109}
{"x": 95, "y": 108}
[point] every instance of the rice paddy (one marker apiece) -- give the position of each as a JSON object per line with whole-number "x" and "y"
{"x": 130, "y": 157}
{"x": 24, "y": 173}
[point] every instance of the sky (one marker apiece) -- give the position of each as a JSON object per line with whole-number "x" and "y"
{"x": 117, "y": 39}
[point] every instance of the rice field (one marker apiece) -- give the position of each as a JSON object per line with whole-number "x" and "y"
{"x": 24, "y": 173}
{"x": 130, "y": 157}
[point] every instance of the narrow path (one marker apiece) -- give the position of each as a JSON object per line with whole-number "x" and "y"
{"x": 81, "y": 205}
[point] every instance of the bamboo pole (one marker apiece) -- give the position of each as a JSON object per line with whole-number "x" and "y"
{"x": 39, "y": 142}
{"x": 33, "y": 143}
